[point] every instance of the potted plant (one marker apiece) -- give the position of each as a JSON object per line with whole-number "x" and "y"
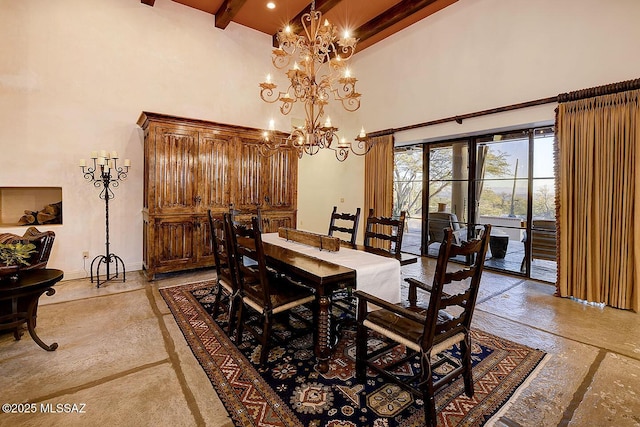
{"x": 12, "y": 256}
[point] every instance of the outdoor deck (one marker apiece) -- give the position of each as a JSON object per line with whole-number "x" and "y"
{"x": 540, "y": 269}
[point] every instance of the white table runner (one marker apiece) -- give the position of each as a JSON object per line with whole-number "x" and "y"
{"x": 375, "y": 274}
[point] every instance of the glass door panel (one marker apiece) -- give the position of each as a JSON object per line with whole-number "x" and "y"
{"x": 502, "y": 188}
{"x": 543, "y": 264}
{"x": 407, "y": 195}
{"x": 448, "y": 192}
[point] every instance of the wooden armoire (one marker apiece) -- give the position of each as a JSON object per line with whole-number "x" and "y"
{"x": 191, "y": 166}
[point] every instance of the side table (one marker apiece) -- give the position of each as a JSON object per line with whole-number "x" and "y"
{"x": 24, "y": 294}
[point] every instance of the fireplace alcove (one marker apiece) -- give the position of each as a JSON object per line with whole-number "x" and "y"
{"x": 14, "y": 201}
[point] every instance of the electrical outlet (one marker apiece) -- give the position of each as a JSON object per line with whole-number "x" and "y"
{"x": 85, "y": 254}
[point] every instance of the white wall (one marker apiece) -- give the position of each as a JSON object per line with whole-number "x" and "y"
{"x": 75, "y": 75}
{"x": 481, "y": 54}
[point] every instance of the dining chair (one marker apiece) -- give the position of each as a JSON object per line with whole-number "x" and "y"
{"x": 266, "y": 294}
{"x": 383, "y": 235}
{"x": 225, "y": 274}
{"x": 347, "y": 223}
{"x": 426, "y": 332}
{"x": 237, "y": 216}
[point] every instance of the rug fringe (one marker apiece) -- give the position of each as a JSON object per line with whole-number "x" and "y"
{"x": 504, "y": 408}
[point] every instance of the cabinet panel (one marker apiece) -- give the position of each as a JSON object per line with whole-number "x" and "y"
{"x": 281, "y": 173}
{"x": 214, "y": 168}
{"x": 249, "y": 176}
{"x": 175, "y": 184}
{"x": 174, "y": 241}
{"x": 273, "y": 221}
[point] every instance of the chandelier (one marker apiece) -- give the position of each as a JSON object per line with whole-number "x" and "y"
{"x": 319, "y": 73}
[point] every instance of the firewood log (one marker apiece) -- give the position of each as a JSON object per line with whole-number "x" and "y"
{"x": 51, "y": 209}
{"x": 44, "y": 217}
{"x": 26, "y": 219}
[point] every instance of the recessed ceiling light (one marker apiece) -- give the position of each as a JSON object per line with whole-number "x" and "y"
{"x": 271, "y": 5}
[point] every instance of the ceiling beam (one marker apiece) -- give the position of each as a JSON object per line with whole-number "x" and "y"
{"x": 148, "y": 2}
{"x": 227, "y": 11}
{"x": 322, "y": 6}
{"x": 391, "y": 16}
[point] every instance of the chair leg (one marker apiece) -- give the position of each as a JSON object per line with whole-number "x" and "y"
{"x": 216, "y": 303}
{"x": 240, "y": 323}
{"x": 233, "y": 312}
{"x": 266, "y": 332}
{"x": 428, "y": 394}
{"x": 361, "y": 352}
{"x": 466, "y": 361}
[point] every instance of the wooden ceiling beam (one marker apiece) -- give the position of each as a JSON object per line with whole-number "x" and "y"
{"x": 391, "y": 16}
{"x": 148, "y": 2}
{"x": 227, "y": 11}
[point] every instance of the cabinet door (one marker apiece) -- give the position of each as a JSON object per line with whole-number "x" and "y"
{"x": 175, "y": 243}
{"x": 204, "y": 246}
{"x": 279, "y": 180}
{"x": 272, "y": 221}
{"x": 249, "y": 192}
{"x": 269, "y": 181}
{"x": 174, "y": 184}
{"x": 215, "y": 171}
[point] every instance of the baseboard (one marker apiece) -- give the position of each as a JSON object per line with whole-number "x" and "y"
{"x": 85, "y": 274}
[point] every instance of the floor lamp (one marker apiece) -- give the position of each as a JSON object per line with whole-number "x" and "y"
{"x": 106, "y": 174}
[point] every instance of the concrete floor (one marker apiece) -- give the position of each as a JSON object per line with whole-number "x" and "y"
{"x": 122, "y": 356}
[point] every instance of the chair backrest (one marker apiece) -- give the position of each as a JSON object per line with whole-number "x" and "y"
{"x": 252, "y": 278}
{"x": 348, "y": 224}
{"x": 235, "y": 213}
{"x": 462, "y": 288}
{"x": 438, "y": 221}
{"x": 384, "y": 234}
{"x": 222, "y": 251}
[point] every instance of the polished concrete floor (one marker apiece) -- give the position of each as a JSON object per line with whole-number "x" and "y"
{"x": 123, "y": 361}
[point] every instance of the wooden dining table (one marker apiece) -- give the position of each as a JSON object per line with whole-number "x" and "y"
{"x": 307, "y": 265}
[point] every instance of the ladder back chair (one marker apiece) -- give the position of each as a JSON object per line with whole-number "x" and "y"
{"x": 244, "y": 217}
{"x": 347, "y": 223}
{"x": 425, "y": 333}
{"x": 383, "y": 235}
{"x": 225, "y": 274}
{"x": 266, "y": 294}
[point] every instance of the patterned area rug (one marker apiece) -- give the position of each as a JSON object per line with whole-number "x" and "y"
{"x": 290, "y": 392}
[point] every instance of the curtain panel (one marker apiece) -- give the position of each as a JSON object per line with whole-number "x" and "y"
{"x": 378, "y": 178}
{"x": 598, "y": 183}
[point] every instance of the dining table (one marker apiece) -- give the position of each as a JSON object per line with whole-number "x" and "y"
{"x": 327, "y": 271}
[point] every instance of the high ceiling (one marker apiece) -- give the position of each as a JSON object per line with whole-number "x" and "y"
{"x": 368, "y": 20}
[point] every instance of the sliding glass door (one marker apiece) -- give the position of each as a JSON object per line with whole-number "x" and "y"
{"x": 502, "y": 193}
{"x": 503, "y": 179}
{"x": 448, "y": 197}
{"x": 407, "y": 195}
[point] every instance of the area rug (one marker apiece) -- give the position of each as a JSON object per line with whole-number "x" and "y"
{"x": 289, "y": 392}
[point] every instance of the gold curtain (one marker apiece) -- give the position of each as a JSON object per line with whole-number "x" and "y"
{"x": 378, "y": 177}
{"x": 598, "y": 168}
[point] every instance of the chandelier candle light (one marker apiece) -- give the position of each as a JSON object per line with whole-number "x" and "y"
{"x": 319, "y": 71}
{"x": 106, "y": 174}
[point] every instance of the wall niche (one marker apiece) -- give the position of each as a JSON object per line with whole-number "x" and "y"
{"x": 26, "y": 206}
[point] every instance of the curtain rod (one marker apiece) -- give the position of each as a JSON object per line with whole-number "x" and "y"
{"x": 600, "y": 90}
{"x": 563, "y": 97}
{"x": 460, "y": 118}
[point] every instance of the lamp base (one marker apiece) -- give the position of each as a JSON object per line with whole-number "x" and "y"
{"x": 107, "y": 260}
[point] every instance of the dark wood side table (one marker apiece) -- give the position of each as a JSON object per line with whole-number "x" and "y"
{"x": 23, "y": 296}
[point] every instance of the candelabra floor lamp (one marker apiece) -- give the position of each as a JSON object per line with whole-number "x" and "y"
{"x": 106, "y": 174}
